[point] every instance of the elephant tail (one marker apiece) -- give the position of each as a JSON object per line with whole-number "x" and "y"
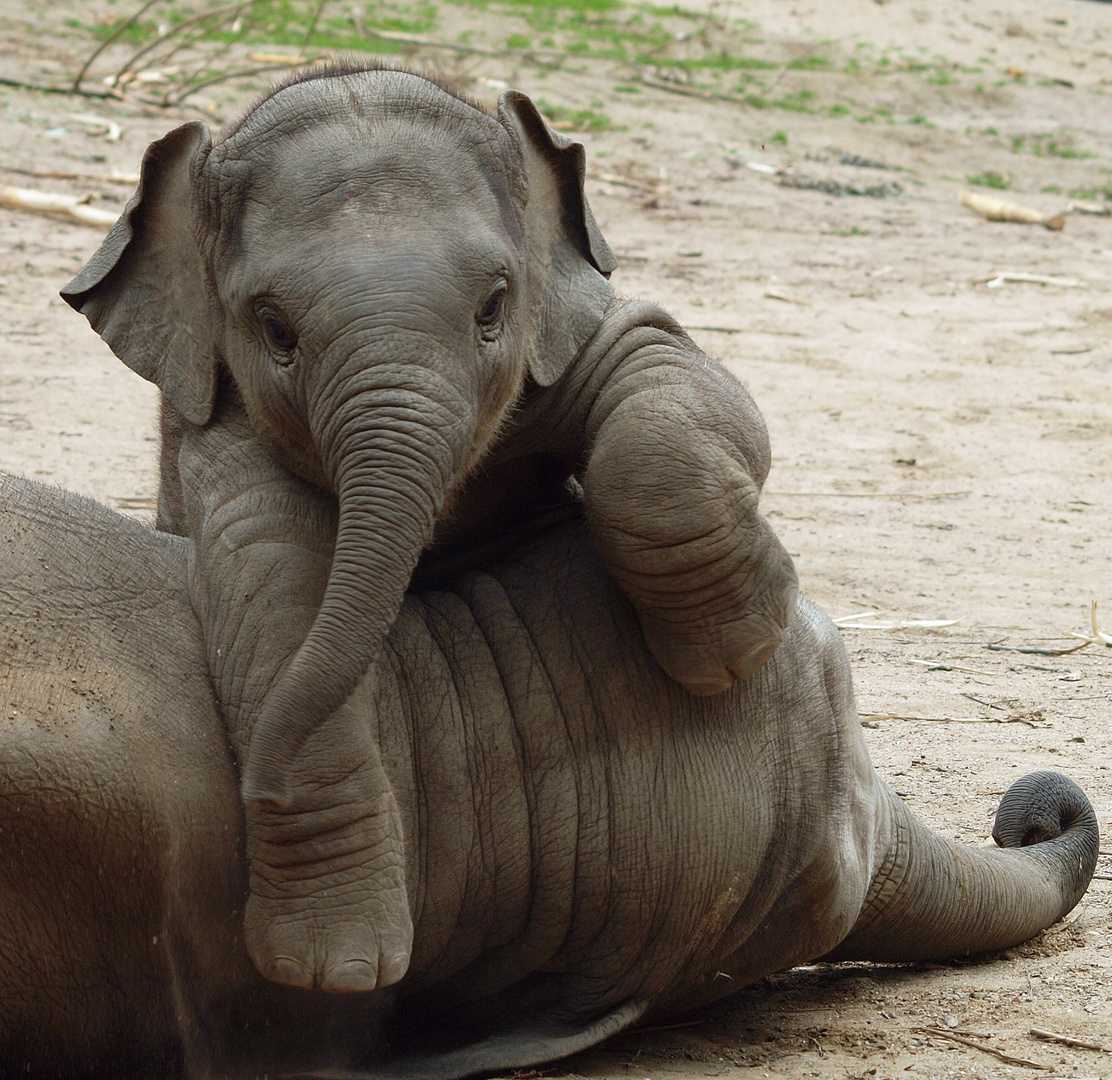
{"x": 931, "y": 899}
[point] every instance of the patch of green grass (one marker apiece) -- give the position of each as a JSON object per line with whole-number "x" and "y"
{"x": 853, "y": 230}
{"x": 1104, "y": 191}
{"x": 286, "y": 22}
{"x": 627, "y": 89}
{"x": 1051, "y": 145}
{"x": 1051, "y": 189}
{"x": 810, "y": 63}
{"x": 137, "y": 34}
{"x": 568, "y": 119}
{"x": 780, "y": 137}
{"x": 989, "y": 179}
{"x": 518, "y": 41}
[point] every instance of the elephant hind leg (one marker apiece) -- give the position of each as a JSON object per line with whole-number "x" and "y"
{"x": 932, "y": 899}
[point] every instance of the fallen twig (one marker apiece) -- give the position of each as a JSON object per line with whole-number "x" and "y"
{"x": 1067, "y": 1040}
{"x": 1018, "y": 718}
{"x": 988, "y": 206}
{"x": 52, "y": 174}
{"x": 775, "y": 294}
{"x": 1008, "y": 1059}
{"x": 111, "y": 129}
{"x": 849, "y": 622}
{"x": 941, "y": 665}
{"x": 42, "y": 202}
{"x": 644, "y": 187}
{"x": 988, "y": 704}
{"x": 39, "y": 88}
{"x": 1030, "y": 650}
{"x": 687, "y": 91}
{"x": 997, "y": 281}
{"x": 836, "y": 187}
{"x": 1081, "y": 207}
{"x": 1099, "y": 637}
{"x": 873, "y": 494}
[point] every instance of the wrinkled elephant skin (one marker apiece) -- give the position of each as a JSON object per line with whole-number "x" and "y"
{"x": 584, "y": 843}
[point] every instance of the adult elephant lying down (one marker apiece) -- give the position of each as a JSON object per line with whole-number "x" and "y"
{"x": 585, "y": 843}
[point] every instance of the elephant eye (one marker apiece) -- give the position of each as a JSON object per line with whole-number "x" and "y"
{"x": 279, "y": 333}
{"x": 491, "y": 311}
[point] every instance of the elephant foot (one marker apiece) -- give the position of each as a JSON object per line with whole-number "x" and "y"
{"x": 328, "y": 907}
{"x": 707, "y": 653}
{"x": 711, "y": 667}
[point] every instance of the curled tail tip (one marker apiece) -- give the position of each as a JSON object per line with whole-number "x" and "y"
{"x": 1041, "y": 806}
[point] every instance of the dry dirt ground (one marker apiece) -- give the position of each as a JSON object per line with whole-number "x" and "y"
{"x": 942, "y": 447}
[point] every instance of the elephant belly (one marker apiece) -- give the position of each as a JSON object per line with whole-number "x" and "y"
{"x": 597, "y": 828}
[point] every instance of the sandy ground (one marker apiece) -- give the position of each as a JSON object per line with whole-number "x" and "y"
{"x": 943, "y": 448}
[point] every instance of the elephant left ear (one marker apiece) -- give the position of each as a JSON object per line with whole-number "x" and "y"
{"x": 568, "y": 259}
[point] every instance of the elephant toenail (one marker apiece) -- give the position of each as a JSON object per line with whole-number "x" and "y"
{"x": 756, "y": 657}
{"x": 393, "y": 969}
{"x": 289, "y": 972}
{"x": 350, "y": 977}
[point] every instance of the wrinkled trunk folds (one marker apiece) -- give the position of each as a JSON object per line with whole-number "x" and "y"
{"x": 391, "y": 485}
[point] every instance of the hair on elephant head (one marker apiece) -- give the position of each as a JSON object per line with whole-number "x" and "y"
{"x": 380, "y": 264}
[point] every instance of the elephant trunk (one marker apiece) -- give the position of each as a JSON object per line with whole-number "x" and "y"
{"x": 392, "y": 470}
{"x": 931, "y": 899}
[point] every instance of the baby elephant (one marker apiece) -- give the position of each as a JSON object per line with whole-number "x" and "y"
{"x": 408, "y": 296}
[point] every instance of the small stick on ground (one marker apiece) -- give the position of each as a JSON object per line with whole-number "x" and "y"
{"x": 1099, "y": 636}
{"x": 942, "y": 1033}
{"x": 105, "y": 178}
{"x": 988, "y": 206}
{"x": 43, "y": 202}
{"x": 998, "y": 281}
{"x": 871, "y": 494}
{"x": 942, "y": 665}
{"x": 1032, "y": 651}
{"x": 1067, "y": 1040}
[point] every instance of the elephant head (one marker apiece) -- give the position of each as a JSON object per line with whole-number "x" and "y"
{"x": 378, "y": 264}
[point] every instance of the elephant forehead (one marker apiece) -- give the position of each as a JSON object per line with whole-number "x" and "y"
{"x": 324, "y": 172}
{"x": 386, "y": 136}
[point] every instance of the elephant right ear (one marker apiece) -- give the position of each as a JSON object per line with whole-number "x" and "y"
{"x": 568, "y": 260}
{"x": 144, "y": 291}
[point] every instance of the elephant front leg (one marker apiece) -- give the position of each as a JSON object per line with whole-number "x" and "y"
{"x": 675, "y": 519}
{"x": 328, "y": 907}
{"x": 676, "y": 453}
